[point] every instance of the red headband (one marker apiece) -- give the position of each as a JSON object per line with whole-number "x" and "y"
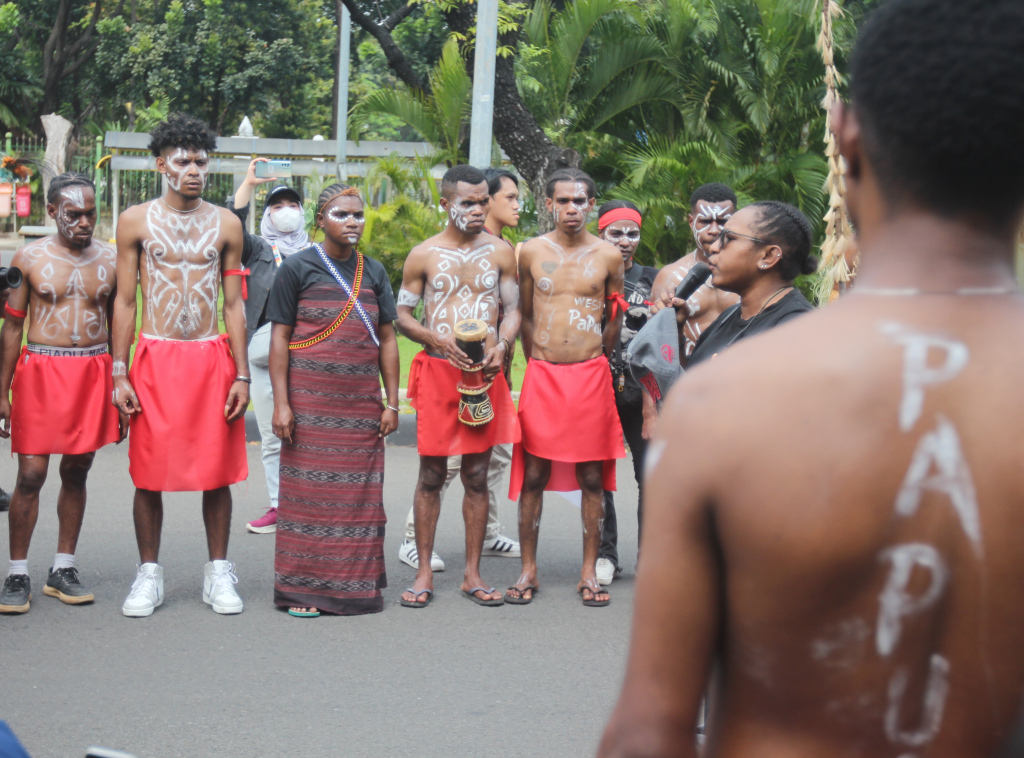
{"x": 619, "y": 214}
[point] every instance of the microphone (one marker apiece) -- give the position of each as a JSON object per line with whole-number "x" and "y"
{"x": 694, "y": 280}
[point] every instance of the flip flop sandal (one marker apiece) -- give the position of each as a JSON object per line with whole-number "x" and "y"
{"x": 417, "y": 603}
{"x": 593, "y": 603}
{"x": 303, "y": 614}
{"x": 522, "y": 591}
{"x": 472, "y": 596}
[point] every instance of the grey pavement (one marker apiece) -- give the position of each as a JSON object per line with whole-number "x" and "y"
{"x": 451, "y": 680}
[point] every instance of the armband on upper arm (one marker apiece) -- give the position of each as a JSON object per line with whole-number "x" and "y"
{"x": 410, "y": 299}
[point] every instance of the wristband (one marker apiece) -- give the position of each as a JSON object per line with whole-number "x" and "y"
{"x": 507, "y": 346}
{"x": 246, "y": 379}
{"x": 391, "y": 408}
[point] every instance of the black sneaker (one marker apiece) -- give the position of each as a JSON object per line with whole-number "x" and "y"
{"x": 5, "y": 500}
{"x": 16, "y": 593}
{"x": 64, "y": 585}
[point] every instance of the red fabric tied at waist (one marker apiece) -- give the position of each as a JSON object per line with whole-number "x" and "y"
{"x": 242, "y": 272}
{"x": 62, "y": 405}
{"x": 568, "y": 416}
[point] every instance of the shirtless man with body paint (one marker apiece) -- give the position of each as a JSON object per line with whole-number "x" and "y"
{"x": 843, "y": 545}
{"x": 187, "y": 390}
{"x": 61, "y": 382}
{"x": 571, "y": 284}
{"x": 461, "y": 273}
{"x": 711, "y": 205}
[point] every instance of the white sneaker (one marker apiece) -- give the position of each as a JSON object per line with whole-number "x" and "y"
{"x": 219, "y": 583}
{"x": 407, "y": 554}
{"x": 147, "y": 592}
{"x": 605, "y": 571}
{"x": 502, "y": 546}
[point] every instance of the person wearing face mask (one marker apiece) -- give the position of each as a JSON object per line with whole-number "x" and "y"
{"x": 282, "y": 233}
{"x": 619, "y": 223}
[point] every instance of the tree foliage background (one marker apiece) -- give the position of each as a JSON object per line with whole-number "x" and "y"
{"x": 652, "y": 97}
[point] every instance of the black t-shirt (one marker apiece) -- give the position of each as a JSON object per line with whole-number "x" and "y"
{"x": 637, "y": 283}
{"x": 730, "y": 327}
{"x": 305, "y": 268}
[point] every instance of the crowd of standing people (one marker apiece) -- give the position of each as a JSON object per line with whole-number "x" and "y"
{"x": 832, "y": 542}
{"x": 311, "y": 336}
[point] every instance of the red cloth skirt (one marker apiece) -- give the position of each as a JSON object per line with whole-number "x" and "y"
{"x": 432, "y": 392}
{"x": 62, "y": 404}
{"x": 568, "y": 415}
{"x": 180, "y": 441}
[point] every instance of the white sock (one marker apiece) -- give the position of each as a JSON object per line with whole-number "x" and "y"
{"x": 18, "y": 567}
{"x": 63, "y": 561}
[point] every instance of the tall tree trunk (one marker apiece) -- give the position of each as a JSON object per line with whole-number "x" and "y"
{"x": 62, "y": 57}
{"x": 516, "y": 130}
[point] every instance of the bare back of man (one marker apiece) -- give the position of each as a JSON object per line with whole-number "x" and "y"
{"x": 571, "y": 284}
{"x": 845, "y": 536}
{"x": 860, "y": 588}
{"x": 461, "y": 273}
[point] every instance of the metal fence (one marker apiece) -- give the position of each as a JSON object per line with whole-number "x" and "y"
{"x": 33, "y": 149}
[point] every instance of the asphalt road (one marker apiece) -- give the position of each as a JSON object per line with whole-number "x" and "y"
{"x": 448, "y": 681}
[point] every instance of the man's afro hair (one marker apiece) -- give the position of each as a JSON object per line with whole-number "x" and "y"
{"x": 182, "y": 130}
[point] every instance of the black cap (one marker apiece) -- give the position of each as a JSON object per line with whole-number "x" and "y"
{"x": 281, "y": 192}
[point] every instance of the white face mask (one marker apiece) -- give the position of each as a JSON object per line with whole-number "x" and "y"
{"x": 287, "y": 219}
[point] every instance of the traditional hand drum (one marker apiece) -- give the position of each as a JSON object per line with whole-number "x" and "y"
{"x": 474, "y": 405}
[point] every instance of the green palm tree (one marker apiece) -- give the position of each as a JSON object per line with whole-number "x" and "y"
{"x": 441, "y": 116}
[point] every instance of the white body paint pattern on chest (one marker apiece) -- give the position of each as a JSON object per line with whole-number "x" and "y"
{"x": 182, "y": 247}
{"x": 937, "y": 465}
{"x": 75, "y": 311}
{"x": 465, "y": 285}
{"x": 578, "y": 318}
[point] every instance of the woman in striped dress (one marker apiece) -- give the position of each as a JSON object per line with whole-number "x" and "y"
{"x": 327, "y": 356}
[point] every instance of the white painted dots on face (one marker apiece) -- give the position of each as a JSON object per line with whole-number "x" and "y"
{"x": 341, "y": 216}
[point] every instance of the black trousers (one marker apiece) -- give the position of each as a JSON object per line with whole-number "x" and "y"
{"x": 632, "y": 418}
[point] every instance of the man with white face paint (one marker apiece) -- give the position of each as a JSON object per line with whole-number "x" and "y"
{"x": 61, "y": 382}
{"x": 618, "y": 222}
{"x": 711, "y": 205}
{"x": 282, "y": 233}
{"x": 840, "y": 547}
{"x": 189, "y": 387}
{"x": 502, "y": 213}
{"x": 461, "y": 273}
{"x": 572, "y": 313}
